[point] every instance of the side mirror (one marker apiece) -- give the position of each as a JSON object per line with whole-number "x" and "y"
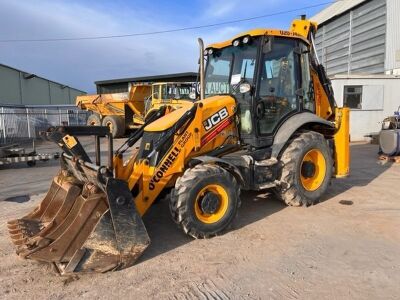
{"x": 244, "y": 87}
{"x": 260, "y": 110}
{"x": 192, "y": 95}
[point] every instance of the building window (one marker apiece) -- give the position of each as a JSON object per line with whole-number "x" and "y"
{"x": 352, "y": 96}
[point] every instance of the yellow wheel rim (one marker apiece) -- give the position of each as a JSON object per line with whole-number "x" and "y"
{"x": 222, "y": 207}
{"x": 314, "y": 176}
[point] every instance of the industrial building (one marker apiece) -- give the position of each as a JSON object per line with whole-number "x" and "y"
{"x": 23, "y": 88}
{"x": 358, "y": 42}
{"x": 122, "y": 85}
{"x": 30, "y": 104}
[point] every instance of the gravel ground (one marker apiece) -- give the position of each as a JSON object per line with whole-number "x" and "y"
{"x": 347, "y": 246}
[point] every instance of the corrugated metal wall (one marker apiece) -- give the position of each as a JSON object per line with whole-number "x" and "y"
{"x": 354, "y": 43}
{"x": 17, "y": 88}
{"x": 393, "y": 35}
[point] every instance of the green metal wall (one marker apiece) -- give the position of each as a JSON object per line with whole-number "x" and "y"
{"x": 16, "y": 88}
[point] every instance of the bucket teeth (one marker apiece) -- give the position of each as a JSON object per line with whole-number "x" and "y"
{"x": 13, "y": 225}
{"x": 20, "y": 242}
{"x": 14, "y": 231}
{"x": 82, "y": 231}
{"x": 17, "y": 236}
{"x": 12, "y": 222}
{"x": 26, "y": 227}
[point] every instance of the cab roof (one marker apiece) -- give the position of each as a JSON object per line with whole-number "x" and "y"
{"x": 299, "y": 29}
{"x": 260, "y": 32}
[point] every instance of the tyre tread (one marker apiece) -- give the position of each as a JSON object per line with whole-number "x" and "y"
{"x": 180, "y": 211}
{"x": 289, "y": 192}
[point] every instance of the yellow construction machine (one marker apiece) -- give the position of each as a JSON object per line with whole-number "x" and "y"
{"x": 266, "y": 119}
{"x": 118, "y": 111}
{"x": 173, "y": 95}
{"x": 127, "y": 111}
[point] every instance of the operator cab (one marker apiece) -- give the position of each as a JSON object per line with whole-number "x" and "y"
{"x": 166, "y": 92}
{"x": 269, "y": 76}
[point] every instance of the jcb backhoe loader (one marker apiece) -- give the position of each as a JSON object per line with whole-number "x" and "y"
{"x": 266, "y": 119}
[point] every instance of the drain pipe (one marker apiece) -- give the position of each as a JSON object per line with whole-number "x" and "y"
{"x": 201, "y": 63}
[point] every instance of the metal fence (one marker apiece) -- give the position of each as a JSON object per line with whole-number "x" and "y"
{"x": 21, "y": 123}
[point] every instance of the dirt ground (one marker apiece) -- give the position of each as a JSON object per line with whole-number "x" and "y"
{"x": 346, "y": 247}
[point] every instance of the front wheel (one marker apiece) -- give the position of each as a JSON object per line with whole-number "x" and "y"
{"x": 205, "y": 200}
{"x": 307, "y": 170}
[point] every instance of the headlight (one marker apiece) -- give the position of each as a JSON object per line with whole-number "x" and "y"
{"x": 236, "y": 43}
{"x": 208, "y": 51}
{"x": 246, "y": 40}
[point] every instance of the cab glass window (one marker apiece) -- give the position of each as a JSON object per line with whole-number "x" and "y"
{"x": 156, "y": 91}
{"x": 306, "y": 82}
{"x": 278, "y": 84}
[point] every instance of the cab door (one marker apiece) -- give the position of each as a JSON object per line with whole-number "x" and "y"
{"x": 277, "y": 96}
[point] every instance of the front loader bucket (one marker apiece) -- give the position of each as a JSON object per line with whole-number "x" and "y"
{"x": 81, "y": 227}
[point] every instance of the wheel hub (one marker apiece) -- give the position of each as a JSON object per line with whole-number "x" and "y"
{"x": 209, "y": 203}
{"x": 109, "y": 125}
{"x": 308, "y": 169}
{"x": 313, "y": 170}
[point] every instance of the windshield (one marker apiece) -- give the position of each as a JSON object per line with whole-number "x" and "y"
{"x": 176, "y": 91}
{"x": 228, "y": 67}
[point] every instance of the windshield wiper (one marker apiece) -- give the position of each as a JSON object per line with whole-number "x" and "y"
{"x": 244, "y": 73}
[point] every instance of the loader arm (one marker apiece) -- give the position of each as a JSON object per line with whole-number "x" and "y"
{"x": 153, "y": 170}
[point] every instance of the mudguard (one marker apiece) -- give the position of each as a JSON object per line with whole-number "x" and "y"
{"x": 291, "y": 125}
{"x": 204, "y": 159}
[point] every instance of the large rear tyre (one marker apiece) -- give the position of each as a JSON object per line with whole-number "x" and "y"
{"x": 205, "y": 201}
{"x": 116, "y": 125}
{"x": 94, "y": 120}
{"x": 307, "y": 170}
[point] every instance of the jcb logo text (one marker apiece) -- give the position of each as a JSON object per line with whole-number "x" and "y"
{"x": 215, "y": 119}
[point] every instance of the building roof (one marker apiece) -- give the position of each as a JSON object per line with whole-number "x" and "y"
{"x": 365, "y": 76}
{"x": 335, "y": 9}
{"x": 31, "y": 75}
{"x": 163, "y": 77}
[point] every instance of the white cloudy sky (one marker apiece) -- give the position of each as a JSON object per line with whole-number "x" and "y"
{"x": 80, "y": 63}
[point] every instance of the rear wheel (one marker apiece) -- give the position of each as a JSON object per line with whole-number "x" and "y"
{"x": 205, "y": 201}
{"x": 307, "y": 170}
{"x": 93, "y": 120}
{"x": 116, "y": 125}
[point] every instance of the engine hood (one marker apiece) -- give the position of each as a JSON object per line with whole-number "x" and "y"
{"x": 210, "y": 104}
{"x": 170, "y": 119}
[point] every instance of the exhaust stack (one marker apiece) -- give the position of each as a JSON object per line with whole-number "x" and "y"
{"x": 201, "y": 63}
